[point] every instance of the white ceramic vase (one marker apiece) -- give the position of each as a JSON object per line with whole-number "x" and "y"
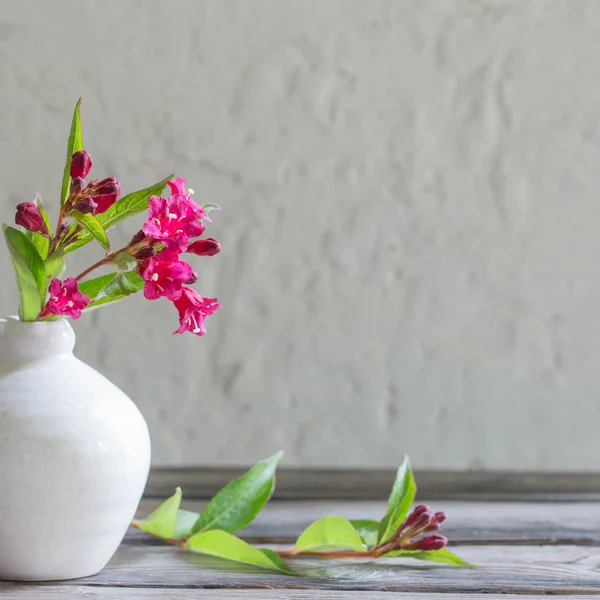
{"x": 74, "y": 457}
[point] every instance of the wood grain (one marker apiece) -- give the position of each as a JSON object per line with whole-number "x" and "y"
{"x": 33, "y": 592}
{"x": 373, "y": 484}
{"x": 468, "y": 522}
{"x": 503, "y": 569}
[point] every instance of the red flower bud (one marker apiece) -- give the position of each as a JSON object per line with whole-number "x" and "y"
{"x": 29, "y": 216}
{"x": 81, "y": 163}
{"x": 105, "y": 194}
{"x": 145, "y": 252}
{"x": 416, "y": 514}
{"x": 107, "y": 186}
{"x": 440, "y": 517}
{"x": 207, "y": 247}
{"x": 431, "y": 542}
{"x": 85, "y": 205}
{"x": 138, "y": 237}
{"x": 77, "y": 185}
{"x": 193, "y": 277}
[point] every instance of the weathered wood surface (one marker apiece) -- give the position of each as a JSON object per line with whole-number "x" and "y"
{"x": 503, "y": 569}
{"x": 94, "y": 593}
{"x": 354, "y": 484}
{"x": 468, "y": 522}
{"x": 526, "y": 549}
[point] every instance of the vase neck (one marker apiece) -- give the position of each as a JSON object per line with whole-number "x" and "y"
{"x": 33, "y": 341}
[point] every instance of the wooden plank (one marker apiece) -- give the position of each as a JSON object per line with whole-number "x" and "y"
{"x": 503, "y": 570}
{"x": 468, "y": 522}
{"x": 33, "y": 592}
{"x": 375, "y": 484}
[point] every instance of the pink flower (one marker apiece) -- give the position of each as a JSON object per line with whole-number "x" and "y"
{"x": 173, "y": 221}
{"x": 193, "y": 309}
{"x": 65, "y": 299}
{"x": 178, "y": 188}
{"x": 165, "y": 275}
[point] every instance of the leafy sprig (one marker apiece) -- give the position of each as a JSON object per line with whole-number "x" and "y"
{"x": 211, "y": 532}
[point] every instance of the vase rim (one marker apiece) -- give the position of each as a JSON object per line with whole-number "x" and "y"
{"x": 31, "y": 340}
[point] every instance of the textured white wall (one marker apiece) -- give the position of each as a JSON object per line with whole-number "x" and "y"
{"x": 411, "y": 225}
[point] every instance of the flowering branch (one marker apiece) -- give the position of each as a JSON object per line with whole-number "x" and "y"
{"x": 88, "y": 208}
{"x": 399, "y": 533}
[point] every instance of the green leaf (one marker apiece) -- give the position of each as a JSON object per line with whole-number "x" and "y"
{"x": 74, "y": 145}
{"x": 92, "y": 287}
{"x": 236, "y": 505}
{"x": 55, "y": 264}
{"x": 125, "y": 262}
{"x": 367, "y": 530}
{"x": 224, "y": 545}
{"x": 129, "y": 205}
{"x": 185, "y": 523}
{"x": 38, "y": 202}
{"x": 30, "y": 273}
{"x": 93, "y": 226}
{"x": 400, "y": 501}
{"x": 274, "y": 557}
{"x": 210, "y": 206}
{"x": 40, "y": 242}
{"x": 330, "y": 533}
{"x": 439, "y": 556}
{"x": 163, "y": 520}
{"x": 124, "y": 284}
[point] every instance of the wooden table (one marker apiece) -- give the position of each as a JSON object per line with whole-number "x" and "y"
{"x": 532, "y": 535}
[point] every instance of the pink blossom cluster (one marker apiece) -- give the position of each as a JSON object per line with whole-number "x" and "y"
{"x": 172, "y": 224}
{"x": 171, "y": 229}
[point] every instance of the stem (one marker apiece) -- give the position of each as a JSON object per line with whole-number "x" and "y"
{"x": 296, "y": 554}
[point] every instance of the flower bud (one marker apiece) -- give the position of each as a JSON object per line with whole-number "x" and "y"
{"x": 137, "y": 238}
{"x": 29, "y": 216}
{"x": 77, "y": 185}
{"x": 207, "y": 247}
{"x": 440, "y": 517}
{"x": 416, "y": 515}
{"x": 193, "y": 277}
{"x": 85, "y": 205}
{"x": 81, "y": 163}
{"x": 145, "y": 252}
{"x": 106, "y": 193}
{"x": 107, "y": 187}
{"x": 431, "y": 542}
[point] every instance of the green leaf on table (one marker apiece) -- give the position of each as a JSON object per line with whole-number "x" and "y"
{"x": 74, "y": 145}
{"x": 367, "y": 529}
{"x": 330, "y": 533}
{"x": 236, "y": 505}
{"x": 210, "y": 206}
{"x": 163, "y": 520}
{"x": 400, "y": 501}
{"x": 185, "y": 523}
{"x": 125, "y": 262}
{"x": 127, "y": 206}
{"x": 30, "y": 273}
{"x": 55, "y": 265}
{"x": 443, "y": 556}
{"x": 92, "y": 226}
{"x": 224, "y": 545}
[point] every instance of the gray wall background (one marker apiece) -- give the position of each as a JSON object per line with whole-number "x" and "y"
{"x": 411, "y": 223}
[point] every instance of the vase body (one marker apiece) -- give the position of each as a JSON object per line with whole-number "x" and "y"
{"x": 74, "y": 457}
